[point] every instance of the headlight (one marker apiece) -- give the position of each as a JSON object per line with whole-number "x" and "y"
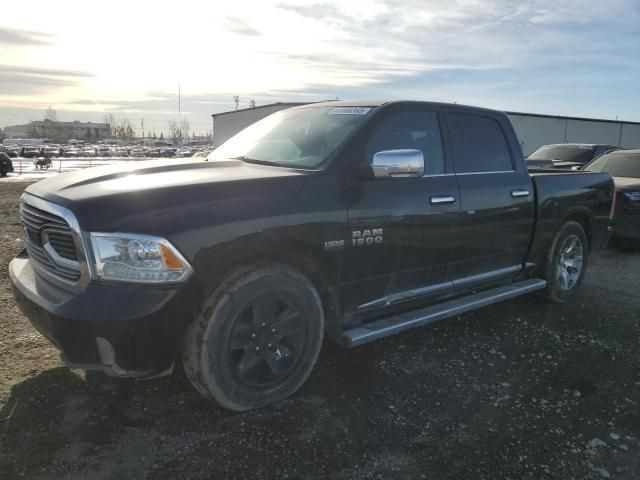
{"x": 137, "y": 258}
{"x": 633, "y": 196}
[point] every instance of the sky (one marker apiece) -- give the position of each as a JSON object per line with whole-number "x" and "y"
{"x": 85, "y": 59}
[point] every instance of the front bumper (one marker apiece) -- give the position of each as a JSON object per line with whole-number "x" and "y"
{"x": 122, "y": 330}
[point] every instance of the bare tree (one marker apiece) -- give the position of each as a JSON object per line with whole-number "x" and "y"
{"x": 111, "y": 120}
{"x": 185, "y": 128}
{"x": 123, "y": 129}
{"x": 174, "y": 130}
{"x": 128, "y": 128}
{"x": 50, "y": 114}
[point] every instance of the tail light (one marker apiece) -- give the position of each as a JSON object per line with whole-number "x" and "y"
{"x": 613, "y": 205}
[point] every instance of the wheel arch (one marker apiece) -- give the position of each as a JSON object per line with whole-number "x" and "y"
{"x": 320, "y": 267}
{"x": 581, "y": 216}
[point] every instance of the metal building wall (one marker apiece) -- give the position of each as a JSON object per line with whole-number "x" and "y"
{"x": 630, "y": 137}
{"x": 227, "y": 125}
{"x": 579, "y": 131}
{"x": 536, "y": 131}
{"x": 532, "y": 130}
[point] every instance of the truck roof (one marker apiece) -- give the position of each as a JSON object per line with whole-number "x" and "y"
{"x": 585, "y": 145}
{"x": 378, "y": 103}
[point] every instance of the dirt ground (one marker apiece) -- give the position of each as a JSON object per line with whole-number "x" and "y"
{"x": 523, "y": 389}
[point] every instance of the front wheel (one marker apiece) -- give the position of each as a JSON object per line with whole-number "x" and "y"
{"x": 257, "y": 339}
{"x": 566, "y": 263}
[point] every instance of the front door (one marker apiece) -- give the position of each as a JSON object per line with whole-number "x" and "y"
{"x": 400, "y": 228}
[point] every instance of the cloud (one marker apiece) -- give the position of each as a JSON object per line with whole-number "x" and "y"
{"x": 539, "y": 55}
{"x": 25, "y": 80}
{"x": 324, "y": 12}
{"x": 12, "y": 37}
{"x": 239, "y": 26}
{"x": 42, "y": 72}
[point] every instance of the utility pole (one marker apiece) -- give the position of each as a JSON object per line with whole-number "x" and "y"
{"x": 142, "y": 126}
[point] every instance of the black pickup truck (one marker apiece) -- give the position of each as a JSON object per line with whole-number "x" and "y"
{"x": 355, "y": 220}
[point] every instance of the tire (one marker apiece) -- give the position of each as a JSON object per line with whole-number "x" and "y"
{"x": 564, "y": 268}
{"x": 256, "y": 339}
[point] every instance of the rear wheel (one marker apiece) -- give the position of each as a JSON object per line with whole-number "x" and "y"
{"x": 566, "y": 262}
{"x": 257, "y": 339}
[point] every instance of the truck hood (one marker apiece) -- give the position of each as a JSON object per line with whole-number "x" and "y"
{"x": 551, "y": 163}
{"x": 627, "y": 184}
{"x": 112, "y": 197}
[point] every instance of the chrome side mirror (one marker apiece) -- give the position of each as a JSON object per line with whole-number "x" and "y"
{"x": 398, "y": 163}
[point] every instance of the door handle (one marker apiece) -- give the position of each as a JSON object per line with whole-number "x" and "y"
{"x": 520, "y": 193}
{"x": 442, "y": 199}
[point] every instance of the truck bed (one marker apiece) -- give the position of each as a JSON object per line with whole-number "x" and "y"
{"x": 564, "y": 194}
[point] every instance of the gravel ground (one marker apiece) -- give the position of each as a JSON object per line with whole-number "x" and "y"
{"x": 523, "y": 389}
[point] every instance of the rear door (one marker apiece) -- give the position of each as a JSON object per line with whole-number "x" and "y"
{"x": 496, "y": 197}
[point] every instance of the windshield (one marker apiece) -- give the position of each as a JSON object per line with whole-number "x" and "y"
{"x": 302, "y": 137}
{"x": 566, "y": 153}
{"x": 617, "y": 164}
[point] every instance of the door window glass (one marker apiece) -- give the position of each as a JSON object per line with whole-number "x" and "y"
{"x": 479, "y": 144}
{"x": 410, "y": 130}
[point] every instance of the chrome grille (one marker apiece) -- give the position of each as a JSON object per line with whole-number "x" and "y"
{"x": 48, "y": 236}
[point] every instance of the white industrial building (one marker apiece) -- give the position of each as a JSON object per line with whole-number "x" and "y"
{"x": 59, "y": 131}
{"x": 532, "y": 129}
{"x": 227, "y": 124}
{"x": 535, "y": 130}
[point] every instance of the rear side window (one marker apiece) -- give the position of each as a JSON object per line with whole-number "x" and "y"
{"x": 479, "y": 144}
{"x": 415, "y": 130}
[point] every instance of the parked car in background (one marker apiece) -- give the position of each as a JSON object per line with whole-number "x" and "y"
{"x": 184, "y": 153}
{"x": 152, "y": 152}
{"x": 137, "y": 152}
{"x": 565, "y": 156}
{"x": 6, "y": 165}
{"x": 50, "y": 152}
{"x": 30, "y": 151}
{"x": 624, "y": 167}
{"x": 71, "y": 152}
{"x": 12, "y": 151}
{"x": 88, "y": 152}
{"x": 103, "y": 151}
{"x": 202, "y": 153}
{"x": 121, "y": 152}
{"x": 168, "y": 152}
{"x": 368, "y": 222}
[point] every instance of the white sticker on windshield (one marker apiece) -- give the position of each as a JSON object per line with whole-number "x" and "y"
{"x": 349, "y": 111}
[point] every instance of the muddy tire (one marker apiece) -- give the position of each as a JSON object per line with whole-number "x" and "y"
{"x": 566, "y": 263}
{"x": 256, "y": 339}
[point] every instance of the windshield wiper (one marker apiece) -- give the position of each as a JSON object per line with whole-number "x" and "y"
{"x": 246, "y": 159}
